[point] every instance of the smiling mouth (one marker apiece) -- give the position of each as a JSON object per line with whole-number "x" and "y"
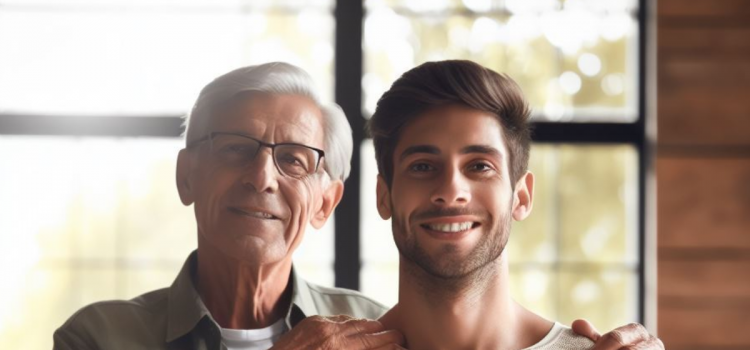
{"x": 253, "y": 214}
{"x": 452, "y": 227}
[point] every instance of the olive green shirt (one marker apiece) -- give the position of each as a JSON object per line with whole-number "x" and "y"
{"x": 176, "y": 318}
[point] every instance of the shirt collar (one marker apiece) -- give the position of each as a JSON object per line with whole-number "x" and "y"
{"x": 302, "y": 301}
{"x": 185, "y": 307}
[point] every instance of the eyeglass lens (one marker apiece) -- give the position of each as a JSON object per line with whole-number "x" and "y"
{"x": 237, "y": 151}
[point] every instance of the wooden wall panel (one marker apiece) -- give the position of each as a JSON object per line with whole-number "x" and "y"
{"x": 703, "y": 8}
{"x": 705, "y": 327}
{"x": 704, "y": 203}
{"x": 704, "y": 77}
{"x": 727, "y": 73}
{"x": 702, "y": 115}
{"x": 703, "y": 174}
{"x": 706, "y": 279}
{"x": 704, "y": 42}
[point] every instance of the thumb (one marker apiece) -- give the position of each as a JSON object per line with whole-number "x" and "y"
{"x": 586, "y": 329}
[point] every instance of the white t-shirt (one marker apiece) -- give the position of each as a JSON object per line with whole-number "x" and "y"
{"x": 253, "y": 339}
{"x": 562, "y": 338}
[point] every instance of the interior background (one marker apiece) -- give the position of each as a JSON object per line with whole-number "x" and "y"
{"x": 91, "y": 93}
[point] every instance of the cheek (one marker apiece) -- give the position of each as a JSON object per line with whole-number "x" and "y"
{"x": 299, "y": 197}
{"x": 406, "y": 199}
{"x": 210, "y": 188}
{"x": 495, "y": 199}
{"x": 209, "y": 179}
{"x": 410, "y": 192}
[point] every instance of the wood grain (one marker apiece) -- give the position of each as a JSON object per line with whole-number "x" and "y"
{"x": 703, "y": 202}
{"x": 703, "y": 8}
{"x": 703, "y": 174}
{"x": 705, "y": 327}
{"x": 705, "y": 279}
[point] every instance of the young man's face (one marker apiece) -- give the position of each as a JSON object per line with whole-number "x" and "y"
{"x": 451, "y": 198}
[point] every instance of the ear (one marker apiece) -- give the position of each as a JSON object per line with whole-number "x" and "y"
{"x": 184, "y": 167}
{"x": 331, "y": 198}
{"x": 383, "y": 198}
{"x": 523, "y": 197}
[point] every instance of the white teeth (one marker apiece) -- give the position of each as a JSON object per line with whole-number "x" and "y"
{"x": 454, "y": 227}
{"x": 256, "y": 214}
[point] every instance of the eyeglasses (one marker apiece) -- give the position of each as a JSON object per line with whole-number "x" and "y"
{"x": 238, "y": 150}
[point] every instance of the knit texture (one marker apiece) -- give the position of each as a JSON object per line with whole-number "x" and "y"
{"x": 562, "y": 338}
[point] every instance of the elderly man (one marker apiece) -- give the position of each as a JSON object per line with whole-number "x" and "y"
{"x": 452, "y": 145}
{"x": 263, "y": 159}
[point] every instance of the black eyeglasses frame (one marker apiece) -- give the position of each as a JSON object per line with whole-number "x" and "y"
{"x": 272, "y": 146}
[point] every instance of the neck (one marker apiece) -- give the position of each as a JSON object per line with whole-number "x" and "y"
{"x": 240, "y": 295}
{"x": 471, "y": 312}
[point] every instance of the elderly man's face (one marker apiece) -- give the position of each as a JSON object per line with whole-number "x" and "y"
{"x": 252, "y": 212}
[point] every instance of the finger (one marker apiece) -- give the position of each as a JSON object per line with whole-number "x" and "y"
{"x": 339, "y": 325}
{"x": 375, "y": 340}
{"x": 317, "y": 319}
{"x": 337, "y": 318}
{"x": 586, "y": 329}
{"x": 361, "y": 326}
{"x": 652, "y": 343}
{"x": 628, "y": 335}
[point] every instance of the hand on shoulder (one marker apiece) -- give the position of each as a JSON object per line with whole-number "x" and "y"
{"x": 630, "y": 336}
{"x": 339, "y": 332}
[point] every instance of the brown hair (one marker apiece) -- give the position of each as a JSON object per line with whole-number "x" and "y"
{"x": 435, "y": 84}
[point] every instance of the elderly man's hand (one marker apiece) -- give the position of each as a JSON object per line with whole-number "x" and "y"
{"x": 631, "y": 337}
{"x": 339, "y": 332}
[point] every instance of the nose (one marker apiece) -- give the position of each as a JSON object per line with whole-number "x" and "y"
{"x": 452, "y": 189}
{"x": 261, "y": 174}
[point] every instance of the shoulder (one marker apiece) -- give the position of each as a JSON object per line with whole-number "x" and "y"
{"x": 563, "y": 338}
{"x": 147, "y": 305}
{"x": 143, "y": 317}
{"x": 341, "y": 301}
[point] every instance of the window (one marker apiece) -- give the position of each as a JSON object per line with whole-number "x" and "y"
{"x": 91, "y": 94}
{"x": 577, "y": 62}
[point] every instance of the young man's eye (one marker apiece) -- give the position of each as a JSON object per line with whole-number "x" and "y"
{"x": 480, "y": 167}
{"x": 420, "y": 167}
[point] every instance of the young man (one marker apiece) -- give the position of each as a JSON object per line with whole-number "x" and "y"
{"x": 452, "y": 146}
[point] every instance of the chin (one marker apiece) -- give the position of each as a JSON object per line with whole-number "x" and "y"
{"x": 450, "y": 269}
{"x": 450, "y": 261}
{"x": 244, "y": 248}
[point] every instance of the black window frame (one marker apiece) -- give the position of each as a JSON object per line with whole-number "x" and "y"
{"x": 348, "y": 67}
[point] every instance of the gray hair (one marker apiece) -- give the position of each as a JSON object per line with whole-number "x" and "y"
{"x": 277, "y": 78}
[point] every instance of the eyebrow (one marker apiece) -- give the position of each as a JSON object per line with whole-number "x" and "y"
{"x": 418, "y": 149}
{"x": 484, "y": 149}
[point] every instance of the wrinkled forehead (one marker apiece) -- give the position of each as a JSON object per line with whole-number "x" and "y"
{"x": 272, "y": 117}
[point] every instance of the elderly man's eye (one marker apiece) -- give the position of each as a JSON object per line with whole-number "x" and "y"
{"x": 291, "y": 160}
{"x": 292, "y": 165}
{"x": 236, "y": 153}
{"x": 238, "y": 149}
